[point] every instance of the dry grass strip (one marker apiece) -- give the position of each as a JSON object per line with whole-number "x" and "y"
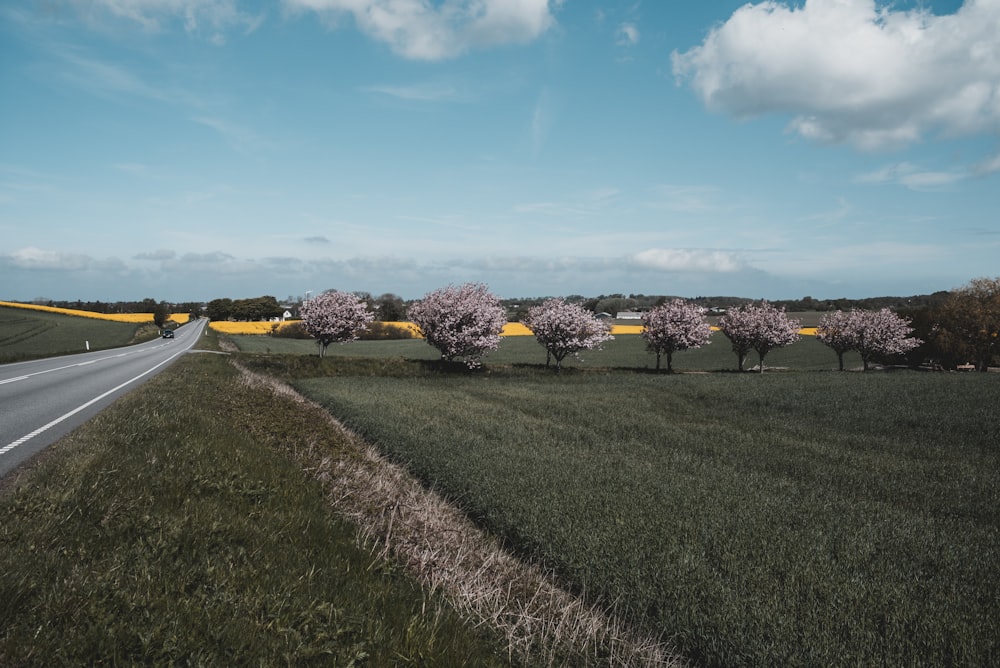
{"x": 398, "y": 518}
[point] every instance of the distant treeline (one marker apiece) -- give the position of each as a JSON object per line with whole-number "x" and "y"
{"x": 390, "y": 307}
{"x": 147, "y": 305}
{"x": 616, "y": 303}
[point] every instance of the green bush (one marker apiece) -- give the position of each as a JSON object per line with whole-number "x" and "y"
{"x": 291, "y": 330}
{"x": 383, "y": 331}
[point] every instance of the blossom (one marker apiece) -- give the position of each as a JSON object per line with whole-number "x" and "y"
{"x": 564, "y": 328}
{"x": 870, "y": 333}
{"x": 673, "y": 326}
{"x": 462, "y": 321}
{"x": 760, "y": 327}
{"x": 335, "y": 317}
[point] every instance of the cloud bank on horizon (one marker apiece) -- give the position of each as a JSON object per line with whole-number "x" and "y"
{"x": 190, "y": 149}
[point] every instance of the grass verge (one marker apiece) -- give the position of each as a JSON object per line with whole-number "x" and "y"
{"x": 180, "y": 527}
{"x": 541, "y": 623}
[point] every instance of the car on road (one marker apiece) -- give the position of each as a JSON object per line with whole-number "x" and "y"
{"x": 168, "y": 333}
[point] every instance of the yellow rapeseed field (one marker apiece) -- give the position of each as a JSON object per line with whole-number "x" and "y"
{"x": 256, "y": 327}
{"x": 266, "y": 327}
{"x": 510, "y": 329}
{"x": 179, "y": 318}
{"x": 515, "y": 329}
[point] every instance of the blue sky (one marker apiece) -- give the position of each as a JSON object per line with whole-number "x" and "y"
{"x": 193, "y": 149}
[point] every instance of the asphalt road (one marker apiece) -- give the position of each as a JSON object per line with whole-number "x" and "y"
{"x": 43, "y": 400}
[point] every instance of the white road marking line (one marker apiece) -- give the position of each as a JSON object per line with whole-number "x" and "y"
{"x": 76, "y": 364}
{"x": 24, "y": 439}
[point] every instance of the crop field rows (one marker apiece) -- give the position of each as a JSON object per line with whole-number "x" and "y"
{"x": 16, "y": 330}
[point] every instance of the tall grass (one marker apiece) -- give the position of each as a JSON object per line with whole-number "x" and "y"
{"x": 787, "y": 519}
{"x": 179, "y": 527}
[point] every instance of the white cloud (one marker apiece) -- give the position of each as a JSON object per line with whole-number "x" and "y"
{"x": 586, "y": 203}
{"x": 627, "y": 34}
{"x": 685, "y": 198}
{"x": 541, "y": 120}
{"x": 107, "y": 78}
{"x": 241, "y": 138}
{"x": 433, "y": 31}
{"x": 833, "y": 216}
{"x": 156, "y": 256}
{"x": 421, "y": 92}
{"x": 34, "y": 258}
{"x": 209, "y": 17}
{"x": 689, "y": 260}
{"x": 112, "y": 80}
{"x": 850, "y": 71}
{"x": 911, "y": 176}
{"x": 853, "y": 261}
{"x": 988, "y": 166}
{"x": 132, "y": 167}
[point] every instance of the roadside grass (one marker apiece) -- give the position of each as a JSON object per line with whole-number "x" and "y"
{"x": 180, "y": 527}
{"x": 30, "y": 334}
{"x": 793, "y": 519}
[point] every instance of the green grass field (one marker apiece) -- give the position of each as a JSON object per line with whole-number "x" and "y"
{"x": 181, "y": 526}
{"x": 796, "y": 518}
{"x": 28, "y": 334}
{"x": 803, "y": 517}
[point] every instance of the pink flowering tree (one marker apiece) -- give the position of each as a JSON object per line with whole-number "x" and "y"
{"x": 335, "y": 317}
{"x": 871, "y": 334}
{"x": 760, "y": 327}
{"x": 564, "y": 328}
{"x": 462, "y": 322}
{"x": 674, "y": 326}
{"x": 882, "y": 333}
{"x": 838, "y": 330}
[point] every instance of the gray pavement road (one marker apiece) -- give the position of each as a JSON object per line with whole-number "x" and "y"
{"x": 43, "y": 400}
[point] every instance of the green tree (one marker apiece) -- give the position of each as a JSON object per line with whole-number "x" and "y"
{"x": 161, "y": 312}
{"x": 219, "y": 309}
{"x": 390, "y": 308}
{"x": 256, "y": 308}
{"x": 970, "y": 320}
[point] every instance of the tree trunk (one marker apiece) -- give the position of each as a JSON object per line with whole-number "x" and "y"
{"x": 658, "y": 360}
{"x": 840, "y": 360}
{"x": 670, "y": 362}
